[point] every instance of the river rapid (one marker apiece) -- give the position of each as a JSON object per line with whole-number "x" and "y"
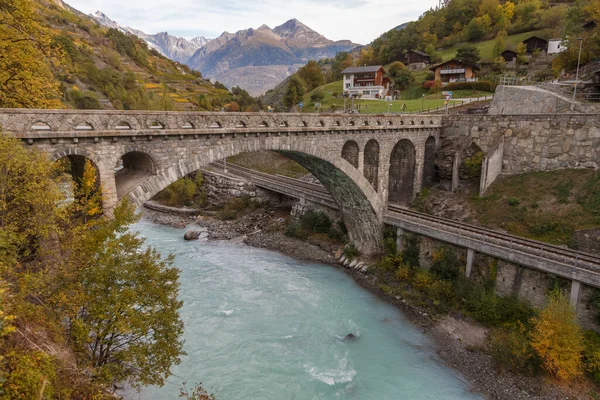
{"x": 259, "y": 325}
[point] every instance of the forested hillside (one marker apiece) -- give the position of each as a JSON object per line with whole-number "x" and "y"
{"x": 471, "y": 21}
{"x": 55, "y": 56}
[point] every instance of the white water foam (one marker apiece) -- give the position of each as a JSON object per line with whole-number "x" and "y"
{"x": 331, "y": 377}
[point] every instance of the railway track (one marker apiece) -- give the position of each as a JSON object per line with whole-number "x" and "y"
{"x": 401, "y": 215}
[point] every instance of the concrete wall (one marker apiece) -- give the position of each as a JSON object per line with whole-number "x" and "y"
{"x": 533, "y": 142}
{"x": 491, "y": 167}
{"x": 528, "y": 284}
{"x": 515, "y": 100}
{"x": 527, "y": 100}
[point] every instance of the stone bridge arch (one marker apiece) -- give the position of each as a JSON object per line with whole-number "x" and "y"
{"x": 359, "y": 204}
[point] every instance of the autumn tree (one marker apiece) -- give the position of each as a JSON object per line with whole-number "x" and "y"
{"x": 28, "y": 198}
{"x": 557, "y": 338}
{"x": 521, "y": 53}
{"x": 400, "y": 74}
{"x": 27, "y": 59}
{"x": 88, "y": 194}
{"x": 341, "y": 61}
{"x": 312, "y": 75}
{"x": 121, "y": 300}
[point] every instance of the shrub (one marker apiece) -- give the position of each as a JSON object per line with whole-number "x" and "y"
{"x": 317, "y": 96}
{"x": 591, "y": 354}
{"x": 513, "y": 201}
{"x": 411, "y": 251}
{"x": 422, "y": 279}
{"x": 335, "y": 95}
{"x": 511, "y": 350}
{"x": 350, "y": 251}
{"x": 440, "y": 291}
{"x": 390, "y": 263}
{"x": 295, "y": 230}
{"x": 314, "y": 221}
{"x": 483, "y": 86}
{"x": 471, "y": 167}
{"x": 486, "y": 307}
{"x": 433, "y": 86}
{"x": 237, "y": 207}
{"x": 403, "y": 273}
{"x": 445, "y": 264}
{"x": 557, "y": 338}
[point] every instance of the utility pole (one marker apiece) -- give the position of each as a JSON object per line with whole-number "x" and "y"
{"x": 577, "y": 74}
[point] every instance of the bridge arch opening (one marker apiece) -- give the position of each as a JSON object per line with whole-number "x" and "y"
{"x": 350, "y": 152}
{"x": 157, "y": 125}
{"x": 352, "y": 195}
{"x": 84, "y": 126}
{"x": 187, "y": 125}
{"x": 240, "y": 124}
{"x": 122, "y": 126}
{"x": 402, "y": 173}
{"x": 371, "y": 168}
{"x": 132, "y": 169}
{"x": 215, "y": 125}
{"x": 70, "y": 173}
{"x": 40, "y": 126}
{"x": 430, "y": 176}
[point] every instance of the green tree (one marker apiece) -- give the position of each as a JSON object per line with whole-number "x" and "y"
{"x": 294, "y": 92}
{"x": 121, "y": 298}
{"x": 312, "y": 75}
{"x": 317, "y": 96}
{"x": 400, "y": 74}
{"x": 500, "y": 43}
{"x": 557, "y": 338}
{"x": 521, "y": 53}
{"x": 468, "y": 52}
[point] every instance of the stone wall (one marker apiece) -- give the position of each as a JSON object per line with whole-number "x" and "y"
{"x": 221, "y": 188}
{"x": 527, "y": 100}
{"x": 533, "y": 142}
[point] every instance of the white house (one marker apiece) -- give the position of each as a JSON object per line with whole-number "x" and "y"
{"x": 368, "y": 81}
{"x": 556, "y": 46}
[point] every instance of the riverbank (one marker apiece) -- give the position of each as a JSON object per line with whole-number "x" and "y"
{"x": 459, "y": 342}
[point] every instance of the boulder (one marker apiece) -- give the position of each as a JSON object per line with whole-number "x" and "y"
{"x": 192, "y": 235}
{"x": 339, "y": 253}
{"x": 353, "y": 264}
{"x": 350, "y": 336}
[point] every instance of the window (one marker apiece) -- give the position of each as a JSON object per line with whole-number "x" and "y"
{"x": 347, "y": 85}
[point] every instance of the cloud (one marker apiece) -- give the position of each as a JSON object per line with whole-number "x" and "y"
{"x": 361, "y": 21}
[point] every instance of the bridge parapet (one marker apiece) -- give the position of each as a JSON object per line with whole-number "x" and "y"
{"x": 28, "y": 123}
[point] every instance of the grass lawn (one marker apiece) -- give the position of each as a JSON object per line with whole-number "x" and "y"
{"x": 546, "y": 206}
{"x": 368, "y": 106}
{"x": 487, "y": 47}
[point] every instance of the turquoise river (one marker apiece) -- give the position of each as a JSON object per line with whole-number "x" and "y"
{"x": 261, "y": 326}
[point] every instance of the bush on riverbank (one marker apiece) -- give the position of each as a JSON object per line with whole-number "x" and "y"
{"x": 238, "y": 207}
{"x": 316, "y": 223}
{"x": 521, "y": 340}
{"x": 188, "y": 191}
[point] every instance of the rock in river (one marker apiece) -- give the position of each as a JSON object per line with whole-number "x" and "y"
{"x": 192, "y": 235}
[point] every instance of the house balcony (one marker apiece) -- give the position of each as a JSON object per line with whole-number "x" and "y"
{"x": 452, "y": 71}
{"x": 460, "y": 80}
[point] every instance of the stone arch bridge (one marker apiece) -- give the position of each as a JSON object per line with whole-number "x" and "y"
{"x": 364, "y": 161}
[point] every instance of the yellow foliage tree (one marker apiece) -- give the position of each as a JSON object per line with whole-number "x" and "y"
{"x": 593, "y": 9}
{"x": 88, "y": 193}
{"x": 557, "y": 338}
{"x": 27, "y": 59}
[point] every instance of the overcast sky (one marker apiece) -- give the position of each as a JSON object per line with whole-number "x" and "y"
{"x": 358, "y": 20}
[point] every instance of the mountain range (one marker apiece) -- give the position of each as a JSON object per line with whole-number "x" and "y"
{"x": 254, "y": 59}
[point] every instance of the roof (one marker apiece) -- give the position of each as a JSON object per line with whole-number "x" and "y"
{"x": 358, "y": 70}
{"x": 509, "y": 51}
{"x": 475, "y": 66}
{"x": 535, "y": 37}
